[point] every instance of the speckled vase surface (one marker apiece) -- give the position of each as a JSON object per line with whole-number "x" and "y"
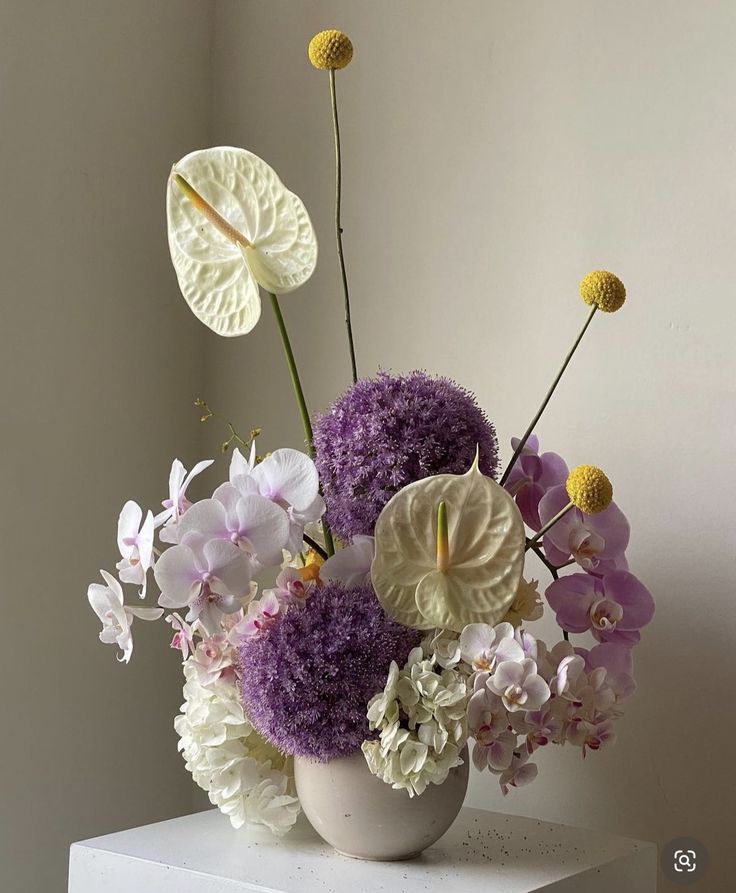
{"x": 365, "y": 818}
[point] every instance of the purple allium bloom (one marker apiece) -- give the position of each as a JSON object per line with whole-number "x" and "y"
{"x": 388, "y": 431}
{"x": 532, "y": 476}
{"x": 306, "y": 683}
{"x": 614, "y": 608}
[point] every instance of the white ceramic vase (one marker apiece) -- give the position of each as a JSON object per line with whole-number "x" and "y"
{"x": 365, "y": 818}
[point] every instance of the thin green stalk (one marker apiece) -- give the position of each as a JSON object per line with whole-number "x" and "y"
{"x": 300, "y": 401}
{"x": 533, "y": 423}
{"x": 338, "y": 225}
{"x": 552, "y": 521}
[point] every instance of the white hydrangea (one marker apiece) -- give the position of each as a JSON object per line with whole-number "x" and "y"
{"x": 421, "y": 717}
{"x": 244, "y": 776}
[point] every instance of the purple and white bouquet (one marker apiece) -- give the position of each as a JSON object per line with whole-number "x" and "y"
{"x": 369, "y": 592}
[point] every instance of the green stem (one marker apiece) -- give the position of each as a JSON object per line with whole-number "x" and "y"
{"x": 548, "y": 396}
{"x": 552, "y": 521}
{"x": 300, "y": 401}
{"x": 338, "y": 225}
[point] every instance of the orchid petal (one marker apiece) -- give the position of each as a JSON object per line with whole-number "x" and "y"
{"x": 177, "y": 576}
{"x": 288, "y": 476}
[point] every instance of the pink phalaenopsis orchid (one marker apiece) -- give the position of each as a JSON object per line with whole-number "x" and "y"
{"x": 213, "y": 657}
{"x": 617, "y": 660}
{"x": 291, "y": 589}
{"x": 107, "y": 602}
{"x": 520, "y": 773}
{"x": 135, "y": 541}
{"x": 261, "y": 615}
{"x": 532, "y": 476}
{"x": 251, "y": 522}
{"x": 488, "y": 724}
{"x": 183, "y": 635}
{"x": 614, "y": 607}
{"x": 210, "y": 577}
{"x": 289, "y": 479}
{"x": 177, "y": 503}
{"x": 596, "y": 542}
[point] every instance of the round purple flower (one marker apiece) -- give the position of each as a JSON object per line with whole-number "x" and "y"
{"x": 388, "y": 431}
{"x": 305, "y": 684}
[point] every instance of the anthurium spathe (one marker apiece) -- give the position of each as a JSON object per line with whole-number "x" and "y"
{"x": 449, "y": 552}
{"x": 234, "y": 226}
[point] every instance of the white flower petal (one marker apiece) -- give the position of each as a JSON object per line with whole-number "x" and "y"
{"x": 288, "y": 476}
{"x": 219, "y": 274}
{"x": 129, "y": 521}
{"x": 176, "y": 575}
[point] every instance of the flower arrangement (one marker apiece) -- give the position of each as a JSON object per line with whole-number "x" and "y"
{"x": 398, "y": 620}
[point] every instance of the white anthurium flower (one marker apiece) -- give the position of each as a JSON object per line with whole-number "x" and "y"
{"x": 177, "y": 503}
{"x": 135, "y": 541}
{"x": 252, "y": 523}
{"x": 107, "y": 602}
{"x": 210, "y": 577}
{"x": 233, "y": 226}
{"x": 351, "y": 565}
{"x": 449, "y": 552}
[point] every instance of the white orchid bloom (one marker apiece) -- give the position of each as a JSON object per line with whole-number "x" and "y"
{"x": 519, "y": 685}
{"x": 233, "y": 226}
{"x": 210, "y": 577}
{"x": 177, "y": 503}
{"x": 289, "y": 478}
{"x": 483, "y": 646}
{"x": 107, "y": 602}
{"x": 449, "y": 552}
{"x": 351, "y": 565}
{"x": 252, "y": 523}
{"x": 135, "y": 541}
{"x": 240, "y": 465}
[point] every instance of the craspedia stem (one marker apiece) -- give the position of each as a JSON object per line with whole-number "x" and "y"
{"x": 552, "y": 521}
{"x": 548, "y": 396}
{"x": 338, "y": 224}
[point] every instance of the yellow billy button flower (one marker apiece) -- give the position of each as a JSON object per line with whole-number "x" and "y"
{"x": 604, "y": 290}
{"x": 330, "y": 49}
{"x": 449, "y": 552}
{"x": 233, "y": 226}
{"x": 589, "y": 489}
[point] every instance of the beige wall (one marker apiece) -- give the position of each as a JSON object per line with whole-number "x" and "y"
{"x": 99, "y": 361}
{"x": 494, "y": 153}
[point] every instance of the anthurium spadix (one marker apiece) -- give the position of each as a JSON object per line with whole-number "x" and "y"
{"x": 233, "y": 226}
{"x": 449, "y": 552}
